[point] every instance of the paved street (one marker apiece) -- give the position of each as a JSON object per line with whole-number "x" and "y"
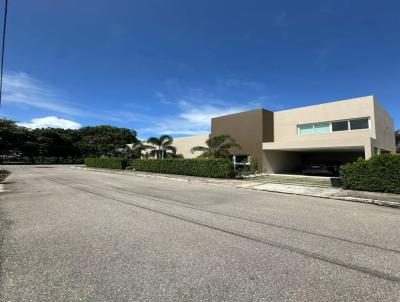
{"x": 77, "y": 235}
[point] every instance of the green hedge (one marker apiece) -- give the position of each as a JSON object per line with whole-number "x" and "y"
{"x": 218, "y": 168}
{"x": 380, "y": 173}
{"x": 106, "y": 162}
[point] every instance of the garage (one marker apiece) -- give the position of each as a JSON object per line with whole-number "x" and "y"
{"x": 328, "y": 162}
{"x": 311, "y": 161}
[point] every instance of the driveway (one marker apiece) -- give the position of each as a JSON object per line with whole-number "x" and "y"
{"x": 77, "y": 235}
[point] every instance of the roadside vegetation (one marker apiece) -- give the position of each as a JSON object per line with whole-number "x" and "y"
{"x": 106, "y": 162}
{"x": 113, "y": 148}
{"x": 380, "y": 173}
{"x": 162, "y": 147}
{"x": 53, "y": 145}
{"x": 206, "y": 167}
{"x": 162, "y": 158}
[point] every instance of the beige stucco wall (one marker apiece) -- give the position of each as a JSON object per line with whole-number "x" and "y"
{"x": 380, "y": 134}
{"x": 185, "y": 144}
{"x": 286, "y": 121}
{"x": 281, "y": 161}
{"x": 249, "y": 129}
{"x": 384, "y": 128}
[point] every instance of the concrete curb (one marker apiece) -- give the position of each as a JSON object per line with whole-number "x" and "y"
{"x": 393, "y": 204}
{"x": 182, "y": 179}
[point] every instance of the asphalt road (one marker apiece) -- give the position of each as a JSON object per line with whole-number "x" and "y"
{"x": 75, "y": 235}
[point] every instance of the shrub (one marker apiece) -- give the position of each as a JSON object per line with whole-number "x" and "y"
{"x": 380, "y": 173}
{"x": 218, "y": 168}
{"x": 106, "y": 162}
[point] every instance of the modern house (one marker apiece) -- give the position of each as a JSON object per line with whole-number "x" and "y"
{"x": 283, "y": 141}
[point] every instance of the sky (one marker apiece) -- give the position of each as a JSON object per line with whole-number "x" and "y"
{"x": 168, "y": 66}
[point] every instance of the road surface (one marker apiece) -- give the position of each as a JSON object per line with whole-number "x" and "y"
{"x": 76, "y": 235}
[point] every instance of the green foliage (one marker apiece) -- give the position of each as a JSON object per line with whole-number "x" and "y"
{"x": 21, "y": 143}
{"x": 106, "y": 162}
{"x": 217, "y": 168}
{"x": 397, "y": 135}
{"x": 105, "y": 140}
{"x": 55, "y": 142}
{"x": 135, "y": 149}
{"x": 217, "y": 147}
{"x": 380, "y": 173}
{"x": 162, "y": 144}
{"x": 13, "y": 138}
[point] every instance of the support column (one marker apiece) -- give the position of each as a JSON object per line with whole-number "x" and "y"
{"x": 369, "y": 149}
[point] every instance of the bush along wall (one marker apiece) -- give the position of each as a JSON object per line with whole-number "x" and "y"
{"x": 217, "y": 168}
{"x": 106, "y": 162}
{"x": 380, "y": 173}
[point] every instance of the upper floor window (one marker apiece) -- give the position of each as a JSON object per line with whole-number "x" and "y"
{"x": 322, "y": 128}
{"x": 327, "y": 127}
{"x": 361, "y": 123}
{"x": 340, "y": 126}
{"x": 306, "y": 129}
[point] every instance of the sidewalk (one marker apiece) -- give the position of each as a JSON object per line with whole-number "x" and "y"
{"x": 383, "y": 199}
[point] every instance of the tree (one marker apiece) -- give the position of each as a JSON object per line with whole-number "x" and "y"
{"x": 135, "y": 149}
{"x": 105, "y": 140}
{"x": 56, "y": 142}
{"x": 64, "y": 143}
{"x": 162, "y": 145}
{"x": 29, "y": 147}
{"x": 217, "y": 147}
{"x": 397, "y": 135}
{"x": 11, "y": 137}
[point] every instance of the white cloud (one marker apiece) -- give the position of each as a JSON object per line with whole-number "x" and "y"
{"x": 266, "y": 102}
{"x": 51, "y": 122}
{"x": 193, "y": 119}
{"x": 197, "y": 106}
{"x": 24, "y": 90}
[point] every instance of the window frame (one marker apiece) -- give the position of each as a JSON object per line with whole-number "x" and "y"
{"x": 360, "y": 118}
{"x": 298, "y": 129}
{"x": 347, "y": 122}
{"x": 331, "y": 127}
{"x": 329, "y": 124}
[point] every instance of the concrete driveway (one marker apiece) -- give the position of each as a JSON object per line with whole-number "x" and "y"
{"x": 75, "y": 235}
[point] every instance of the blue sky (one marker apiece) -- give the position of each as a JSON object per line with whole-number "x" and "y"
{"x": 160, "y": 66}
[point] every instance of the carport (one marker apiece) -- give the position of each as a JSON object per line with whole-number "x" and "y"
{"x": 290, "y": 157}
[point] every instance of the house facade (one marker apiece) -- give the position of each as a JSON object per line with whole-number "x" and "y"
{"x": 283, "y": 141}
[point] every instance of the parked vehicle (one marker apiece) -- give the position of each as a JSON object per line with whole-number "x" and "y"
{"x": 322, "y": 168}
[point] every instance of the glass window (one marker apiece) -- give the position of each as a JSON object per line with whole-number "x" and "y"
{"x": 322, "y": 128}
{"x": 306, "y": 129}
{"x": 361, "y": 123}
{"x": 241, "y": 159}
{"x": 340, "y": 126}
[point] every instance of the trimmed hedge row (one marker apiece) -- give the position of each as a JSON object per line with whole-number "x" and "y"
{"x": 106, "y": 162}
{"x": 217, "y": 168}
{"x": 380, "y": 173}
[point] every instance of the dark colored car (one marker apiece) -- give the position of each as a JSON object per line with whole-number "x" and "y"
{"x": 322, "y": 168}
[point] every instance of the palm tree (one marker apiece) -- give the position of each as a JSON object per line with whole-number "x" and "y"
{"x": 135, "y": 149}
{"x": 162, "y": 144}
{"x": 217, "y": 147}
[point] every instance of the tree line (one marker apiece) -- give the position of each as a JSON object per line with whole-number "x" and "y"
{"x": 18, "y": 141}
